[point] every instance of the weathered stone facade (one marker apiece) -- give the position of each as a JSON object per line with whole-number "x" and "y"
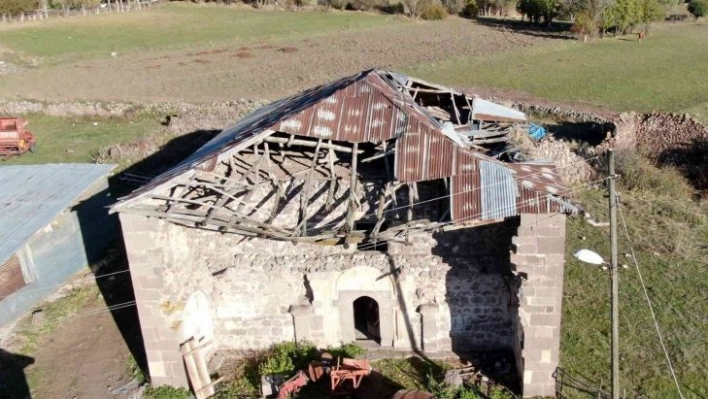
{"x": 447, "y": 291}
{"x": 255, "y": 288}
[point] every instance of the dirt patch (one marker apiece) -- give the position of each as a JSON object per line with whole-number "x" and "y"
{"x": 269, "y": 74}
{"x": 243, "y": 54}
{"x": 287, "y": 49}
{"x": 209, "y": 52}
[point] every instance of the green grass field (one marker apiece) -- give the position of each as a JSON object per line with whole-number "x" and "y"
{"x": 174, "y": 26}
{"x": 669, "y": 232}
{"x": 67, "y": 139}
{"x": 665, "y": 72}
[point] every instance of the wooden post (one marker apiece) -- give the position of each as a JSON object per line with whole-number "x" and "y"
{"x": 352, "y": 189}
{"x": 615, "y": 280}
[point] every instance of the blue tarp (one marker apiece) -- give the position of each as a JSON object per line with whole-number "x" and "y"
{"x": 537, "y": 132}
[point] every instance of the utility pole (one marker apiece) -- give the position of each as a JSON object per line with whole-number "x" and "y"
{"x": 614, "y": 277}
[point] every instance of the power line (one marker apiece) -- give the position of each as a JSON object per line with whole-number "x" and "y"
{"x": 527, "y": 177}
{"x": 472, "y": 217}
{"x": 651, "y": 306}
{"x": 27, "y": 291}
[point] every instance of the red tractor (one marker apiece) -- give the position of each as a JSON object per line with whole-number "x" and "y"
{"x": 14, "y": 138}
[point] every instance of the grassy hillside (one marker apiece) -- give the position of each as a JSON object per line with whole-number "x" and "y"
{"x": 173, "y": 26}
{"x": 669, "y": 232}
{"x": 664, "y": 72}
{"x": 73, "y": 139}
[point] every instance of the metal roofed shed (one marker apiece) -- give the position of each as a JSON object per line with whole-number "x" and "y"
{"x": 53, "y": 221}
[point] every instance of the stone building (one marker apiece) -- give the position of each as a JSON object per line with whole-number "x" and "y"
{"x": 376, "y": 208}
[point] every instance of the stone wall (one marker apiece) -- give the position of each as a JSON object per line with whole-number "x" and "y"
{"x": 455, "y": 290}
{"x": 452, "y": 295}
{"x": 538, "y": 260}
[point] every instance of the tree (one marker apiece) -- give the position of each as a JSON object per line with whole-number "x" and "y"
{"x": 699, "y": 8}
{"x": 584, "y": 25}
{"x": 538, "y": 9}
{"x": 18, "y": 7}
{"x": 650, "y": 11}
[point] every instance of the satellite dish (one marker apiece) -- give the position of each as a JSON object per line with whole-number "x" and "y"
{"x": 588, "y": 256}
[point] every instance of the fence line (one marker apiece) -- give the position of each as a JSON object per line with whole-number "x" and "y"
{"x": 109, "y": 6}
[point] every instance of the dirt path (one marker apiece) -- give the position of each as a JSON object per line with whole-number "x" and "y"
{"x": 85, "y": 358}
{"x": 265, "y": 70}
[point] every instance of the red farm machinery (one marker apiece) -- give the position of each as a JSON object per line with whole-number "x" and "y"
{"x": 15, "y": 139}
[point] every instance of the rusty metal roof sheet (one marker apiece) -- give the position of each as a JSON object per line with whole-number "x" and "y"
{"x": 31, "y": 196}
{"x": 375, "y": 106}
{"x": 501, "y": 190}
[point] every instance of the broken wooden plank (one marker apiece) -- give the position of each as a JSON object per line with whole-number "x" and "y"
{"x": 305, "y": 193}
{"x": 308, "y": 143}
{"x": 352, "y": 189}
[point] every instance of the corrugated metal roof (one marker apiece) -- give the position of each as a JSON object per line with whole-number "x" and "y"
{"x": 31, "y": 196}
{"x": 375, "y": 106}
{"x": 498, "y": 191}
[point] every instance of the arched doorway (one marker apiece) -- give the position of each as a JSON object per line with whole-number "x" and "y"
{"x": 367, "y": 319}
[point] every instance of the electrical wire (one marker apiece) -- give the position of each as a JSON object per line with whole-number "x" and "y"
{"x": 651, "y": 306}
{"x": 27, "y": 291}
{"x": 373, "y": 213}
{"x": 473, "y": 217}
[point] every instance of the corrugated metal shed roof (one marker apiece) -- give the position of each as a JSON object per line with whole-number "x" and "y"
{"x": 31, "y": 196}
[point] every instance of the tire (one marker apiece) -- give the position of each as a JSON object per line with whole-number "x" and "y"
{"x": 33, "y": 147}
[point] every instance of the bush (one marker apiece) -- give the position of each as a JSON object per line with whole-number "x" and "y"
{"x": 393, "y": 8}
{"x": 433, "y": 11}
{"x": 364, "y": 5}
{"x": 443, "y": 391}
{"x": 471, "y": 10}
{"x": 336, "y": 4}
{"x": 286, "y": 357}
{"x": 166, "y": 392}
{"x": 584, "y": 25}
{"x": 699, "y": 8}
{"x": 347, "y": 350}
{"x": 454, "y": 7}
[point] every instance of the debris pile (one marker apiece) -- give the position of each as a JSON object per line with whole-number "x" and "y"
{"x": 659, "y": 132}
{"x": 676, "y": 140}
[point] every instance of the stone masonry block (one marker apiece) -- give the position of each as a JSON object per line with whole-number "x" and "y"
{"x": 149, "y": 282}
{"x": 157, "y": 369}
{"x": 551, "y": 245}
{"x": 549, "y": 320}
{"x": 539, "y": 390}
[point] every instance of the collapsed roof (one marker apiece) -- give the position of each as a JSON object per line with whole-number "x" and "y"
{"x": 380, "y": 127}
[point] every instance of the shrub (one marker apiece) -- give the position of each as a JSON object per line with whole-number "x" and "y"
{"x": 471, "y": 10}
{"x": 584, "y": 25}
{"x": 336, "y": 4}
{"x": 364, "y": 5}
{"x": 286, "y": 357}
{"x": 166, "y": 392}
{"x": 443, "y": 391}
{"x": 699, "y": 8}
{"x": 433, "y": 11}
{"x": 454, "y": 7}
{"x": 347, "y": 350}
{"x": 393, "y": 8}
{"x": 499, "y": 392}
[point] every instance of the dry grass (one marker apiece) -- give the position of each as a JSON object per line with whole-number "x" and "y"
{"x": 669, "y": 232}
